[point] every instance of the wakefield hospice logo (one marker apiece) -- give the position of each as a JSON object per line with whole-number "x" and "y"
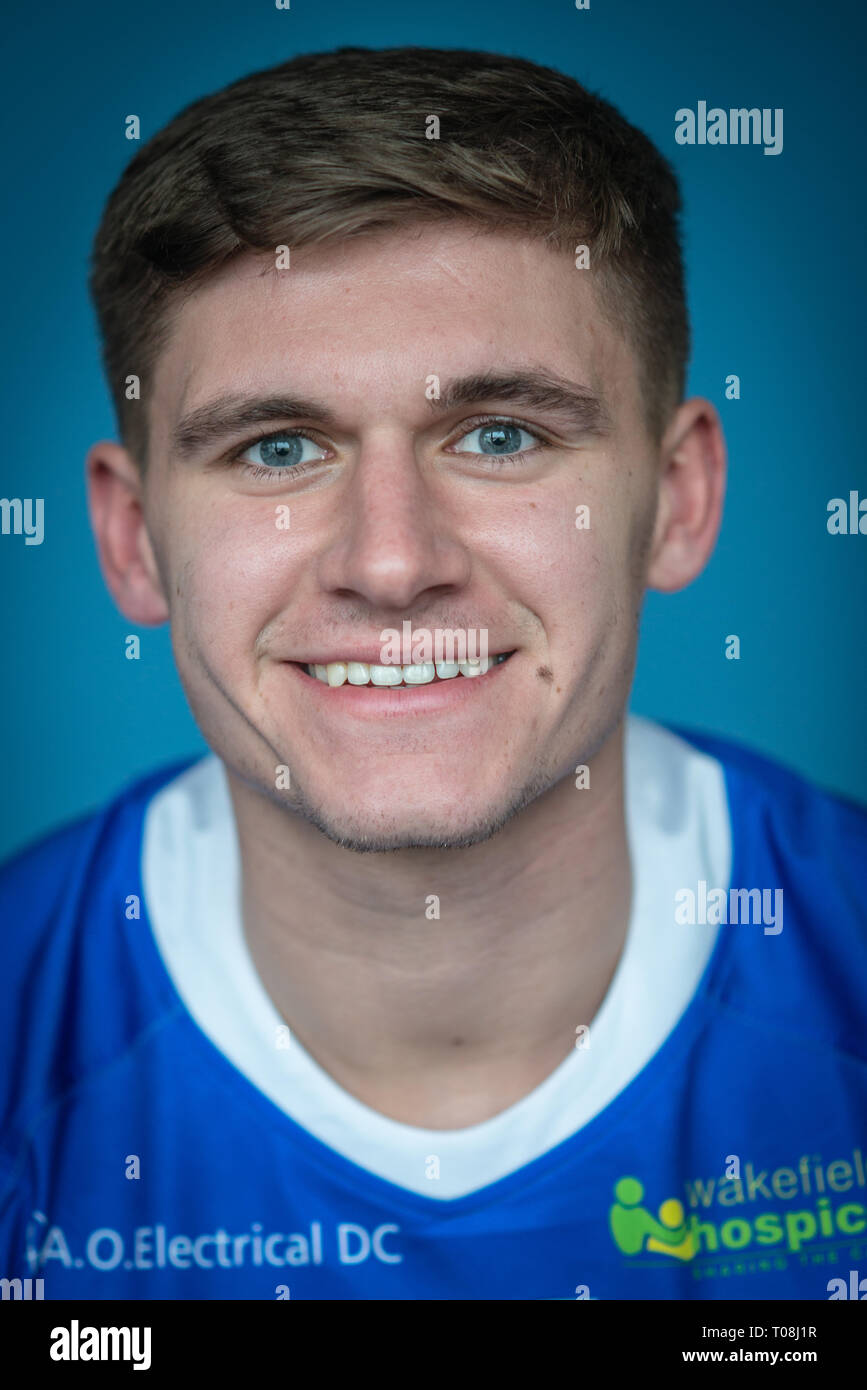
{"x": 753, "y": 1240}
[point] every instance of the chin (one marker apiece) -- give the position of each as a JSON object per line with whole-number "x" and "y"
{"x": 376, "y": 829}
{"x": 378, "y": 836}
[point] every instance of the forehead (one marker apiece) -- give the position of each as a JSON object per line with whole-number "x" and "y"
{"x": 367, "y": 320}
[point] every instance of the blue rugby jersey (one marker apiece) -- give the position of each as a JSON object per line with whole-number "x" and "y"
{"x": 139, "y": 1161}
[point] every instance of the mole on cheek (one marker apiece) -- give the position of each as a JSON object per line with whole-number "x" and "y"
{"x": 545, "y": 674}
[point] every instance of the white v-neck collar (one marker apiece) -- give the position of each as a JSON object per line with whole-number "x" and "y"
{"x": 678, "y": 833}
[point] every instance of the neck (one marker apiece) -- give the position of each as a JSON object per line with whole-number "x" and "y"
{"x": 441, "y": 1022}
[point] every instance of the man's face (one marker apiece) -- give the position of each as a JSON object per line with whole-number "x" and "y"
{"x": 394, "y": 505}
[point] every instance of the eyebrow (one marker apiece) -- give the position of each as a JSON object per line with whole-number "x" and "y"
{"x": 533, "y": 389}
{"x": 229, "y": 415}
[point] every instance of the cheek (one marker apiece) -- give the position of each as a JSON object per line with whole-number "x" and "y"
{"x": 233, "y": 574}
{"x": 566, "y": 559}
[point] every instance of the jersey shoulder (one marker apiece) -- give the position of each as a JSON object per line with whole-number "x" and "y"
{"x": 43, "y": 882}
{"x": 806, "y": 848}
{"x": 72, "y": 993}
{"x": 800, "y": 813}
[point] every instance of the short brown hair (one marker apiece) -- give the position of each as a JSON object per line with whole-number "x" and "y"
{"x": 328, "y": 145}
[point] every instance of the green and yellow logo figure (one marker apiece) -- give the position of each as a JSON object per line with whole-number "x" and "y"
{"x": 634, "y": 1228}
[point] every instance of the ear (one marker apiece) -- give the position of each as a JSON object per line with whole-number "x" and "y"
{"x": 126, "y": 557}
{"x": 691, "y": 491}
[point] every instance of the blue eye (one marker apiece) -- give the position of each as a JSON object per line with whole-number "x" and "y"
{"x": 281, "y": 451}
{"x": 498, "y": 437}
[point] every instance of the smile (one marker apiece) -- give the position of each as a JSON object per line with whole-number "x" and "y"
{"x": 337, "y": 673}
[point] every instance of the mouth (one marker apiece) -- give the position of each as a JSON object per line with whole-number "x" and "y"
{"x": 362, "y": 673}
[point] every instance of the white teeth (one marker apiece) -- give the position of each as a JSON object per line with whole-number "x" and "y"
{"x": 419, "y": 675}
{"x": 361, "y": 673}
{"x": 386, "y": 675}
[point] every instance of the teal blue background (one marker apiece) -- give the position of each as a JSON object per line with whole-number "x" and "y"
{"x": 775, "y": 253}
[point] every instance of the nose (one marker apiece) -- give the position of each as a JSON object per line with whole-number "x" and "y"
{"x": 398, "y": 541}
